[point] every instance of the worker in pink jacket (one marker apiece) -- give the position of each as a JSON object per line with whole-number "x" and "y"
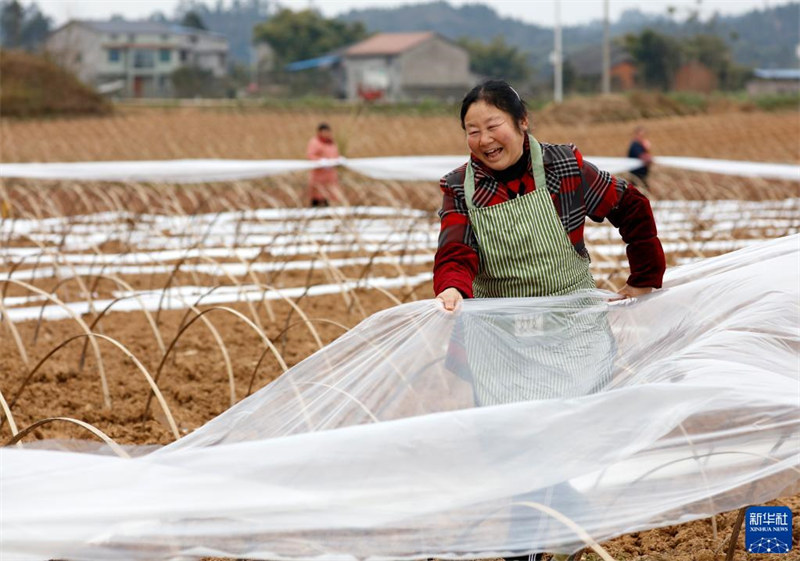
{"x": 323, "y": 183}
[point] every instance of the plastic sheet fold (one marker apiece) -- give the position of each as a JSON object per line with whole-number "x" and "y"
{"x": 384, "y": 444}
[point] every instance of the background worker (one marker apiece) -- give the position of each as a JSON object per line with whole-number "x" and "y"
{"x": 323, "y": 183}
{"x": 640, "y": 148}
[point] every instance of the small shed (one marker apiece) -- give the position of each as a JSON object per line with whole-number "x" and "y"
{"x": 774, "y": 81}
{"x": 587, "y": 65}
{"x": 695, "y": 76}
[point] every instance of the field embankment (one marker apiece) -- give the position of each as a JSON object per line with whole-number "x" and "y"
{"x": 33, "y": 86}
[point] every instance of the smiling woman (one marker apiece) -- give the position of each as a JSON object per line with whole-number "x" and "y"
{"x": 492, "y": 137}
{"x": 512, "y": 227}
{"x": 513, "y": 216}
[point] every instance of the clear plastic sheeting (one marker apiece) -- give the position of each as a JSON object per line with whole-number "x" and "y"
{"x": 171, "y": 171}
{"x": 396, "y": 442}
{"x": 409, "y": 168}
{"x": 433, "y": 168}
{"x": 766, "y": 170}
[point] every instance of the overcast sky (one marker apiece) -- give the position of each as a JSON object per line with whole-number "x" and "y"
{"x": 541, "y": 12}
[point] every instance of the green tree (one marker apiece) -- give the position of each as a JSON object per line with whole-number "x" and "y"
{"x": 657, "y": 57}
{"x": 159, "y": 17}
{"x": 569, "y": 77}
{"x": 301, "y": 35}
{"x": 35, "y": 30}
{"x": 192, "y": 81}
{"x": 496, "y": 59}
{"x": 193, "y": 20}
{"x": 710, "y": 50}
{"x": 22, "y": 27}
{"x": 713, "y": 52}
{"x": 12, "y": 21}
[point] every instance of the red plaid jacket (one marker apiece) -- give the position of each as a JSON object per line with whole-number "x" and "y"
{"x": 578, "y": 189}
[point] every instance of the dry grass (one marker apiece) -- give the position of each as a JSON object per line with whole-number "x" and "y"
{"x": 34, "y": 86}
{"x": 143, "y": 133}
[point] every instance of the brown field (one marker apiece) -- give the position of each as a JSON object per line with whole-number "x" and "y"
{"x": 159, "y": 134}
{"x": 196, "y": 378}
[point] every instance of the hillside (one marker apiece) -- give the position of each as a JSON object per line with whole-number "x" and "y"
{"x": 33, "y": 86}
{"x": 764, "y": 38}
{"x": 760, "y": 38}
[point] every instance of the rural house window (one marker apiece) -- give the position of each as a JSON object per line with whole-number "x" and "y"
{"x": 184, "y": 56}
{"x": 144, "y": 58}
{"x": 164, "y": 55}
{"x": 113, "y": 55}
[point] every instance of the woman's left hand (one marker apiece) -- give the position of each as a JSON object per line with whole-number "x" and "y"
{"x": 629, "y": 291}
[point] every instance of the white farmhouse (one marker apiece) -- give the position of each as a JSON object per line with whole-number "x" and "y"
{"x": 135, "y": 58}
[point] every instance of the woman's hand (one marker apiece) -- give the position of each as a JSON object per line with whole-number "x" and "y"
{"x": 450, "y": 297}
{"x": 629, "y": 291}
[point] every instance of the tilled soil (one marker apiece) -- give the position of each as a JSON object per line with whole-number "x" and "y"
{"x": 194, "y": 378}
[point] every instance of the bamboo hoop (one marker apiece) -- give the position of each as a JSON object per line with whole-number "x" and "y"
{"x": 201, "y": 316}
{"x": 153, "y": 386}
{"x": 116, "y": 448}
{"x": 83, "y": 326}
{"x": 7, "y": 412}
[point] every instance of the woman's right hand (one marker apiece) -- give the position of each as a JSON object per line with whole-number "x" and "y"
{"x": 450, "y": 297}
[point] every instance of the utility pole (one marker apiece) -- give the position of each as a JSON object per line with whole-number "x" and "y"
{"x": 606, "y": 51}
{"x": 558, "y": 93}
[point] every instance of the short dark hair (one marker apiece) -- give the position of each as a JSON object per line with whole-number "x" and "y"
{"x": 498, "y": 93}
{"x": 323, "y": 127}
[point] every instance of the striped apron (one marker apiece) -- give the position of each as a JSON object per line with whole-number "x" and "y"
{"x": 524, "y": 251}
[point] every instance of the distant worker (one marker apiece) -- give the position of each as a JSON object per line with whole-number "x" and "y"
{"x": 640, "y": 149}
{"x": 323, "y": 183}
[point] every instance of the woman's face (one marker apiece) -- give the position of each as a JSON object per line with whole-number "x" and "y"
{"x": 493, "y": 136}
